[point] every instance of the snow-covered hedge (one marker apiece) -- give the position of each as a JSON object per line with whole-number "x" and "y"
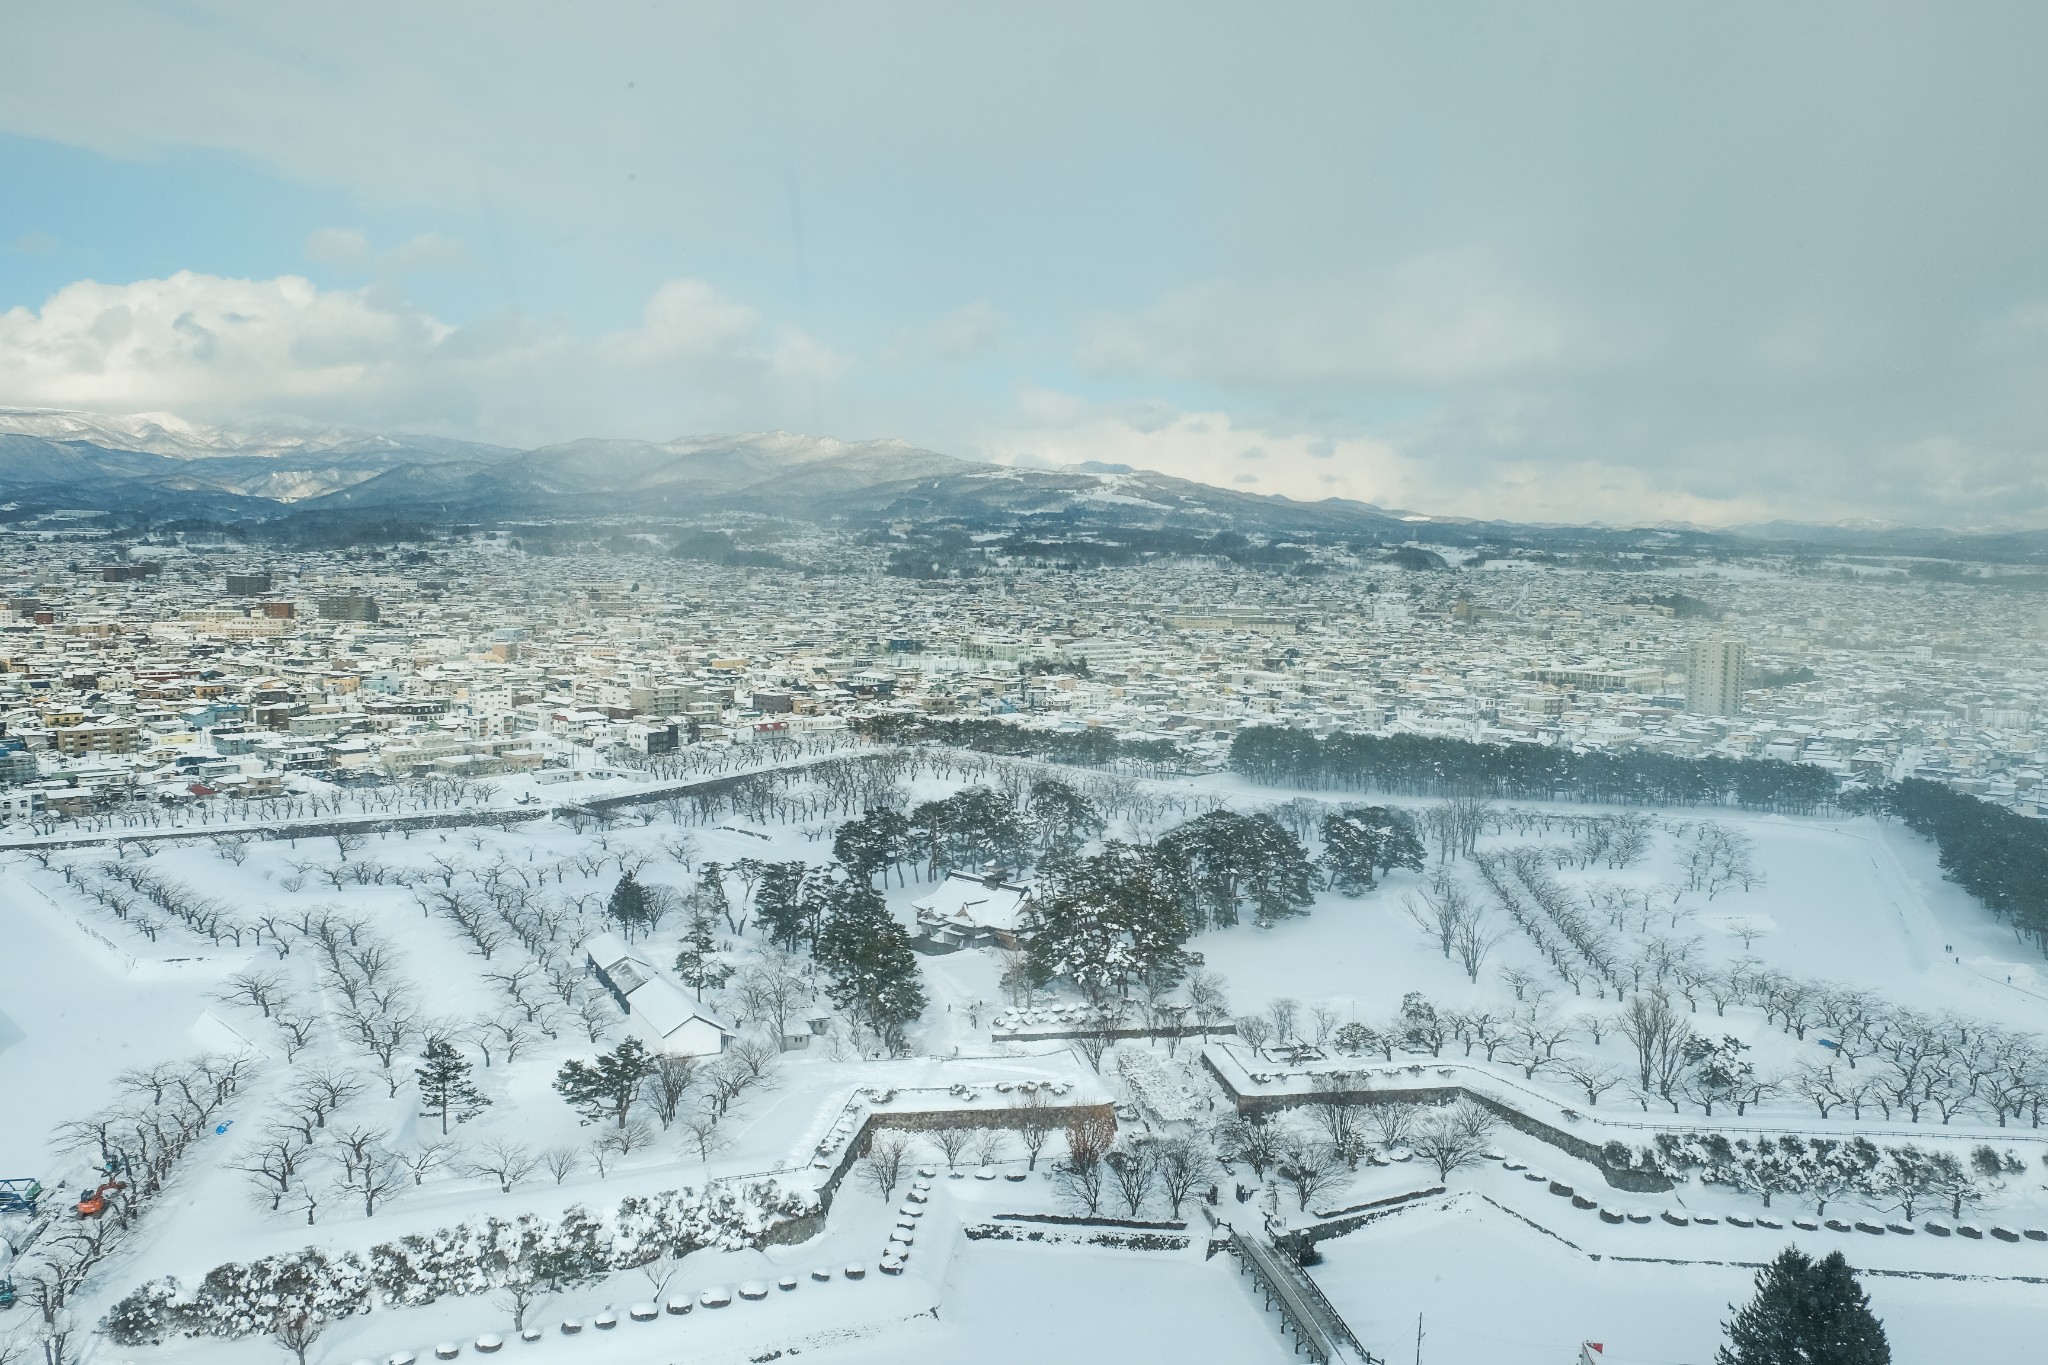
{"x": 1128, "y": 1241}
{"x": 470, "y": 1258}
{"x": 1906, "y": 1177}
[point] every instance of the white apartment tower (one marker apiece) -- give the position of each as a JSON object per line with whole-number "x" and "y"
{"x": 1715, "y": 671}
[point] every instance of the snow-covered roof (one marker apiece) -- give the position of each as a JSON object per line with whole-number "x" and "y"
{"x": 975, "y": 902}
{"x": 664, "y": 1005}
{"x": 607, "y": 951}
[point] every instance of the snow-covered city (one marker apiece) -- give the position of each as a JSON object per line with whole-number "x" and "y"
{"x": 904, "y": 683}
{"x": 557, "y": 956}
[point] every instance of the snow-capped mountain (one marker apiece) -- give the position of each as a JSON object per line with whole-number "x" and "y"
{"x": 159, "y": 459}
{"x": 163, "y": 464}
{"x": 164, "y": 433}
{"x": 98, "y": 457}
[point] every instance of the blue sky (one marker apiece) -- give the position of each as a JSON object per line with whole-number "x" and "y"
{"x": 1572, "y": 261}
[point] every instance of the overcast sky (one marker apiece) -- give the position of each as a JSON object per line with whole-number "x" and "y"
{"x": 1718, "y": 263}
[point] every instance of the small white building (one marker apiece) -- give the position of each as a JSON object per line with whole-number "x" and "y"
{"x": 665, "y": 1016}
{"x": 966, "y": 911}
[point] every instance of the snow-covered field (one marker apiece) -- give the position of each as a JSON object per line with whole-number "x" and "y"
{"x": 1491, "y": 1291}
{"x": 85, "y": 997}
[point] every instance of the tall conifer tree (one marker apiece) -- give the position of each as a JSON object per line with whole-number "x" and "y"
{"x": 1806, "y": 1312}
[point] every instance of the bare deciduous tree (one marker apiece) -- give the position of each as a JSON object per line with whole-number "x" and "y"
{"x": 375, "y": 1178}
{"x": 561, "y": 1162}
{"x": 1313, "y": 1167}
{"x": 273, "y": 1163}
{"x": 774, "y": 991}
{"x": 671, "y": 1082}
{"x": 989, "y": 1144}
{"x": 504, "y": 1161}
{"x": 324, "y": 1089}
{"x": 297, "y": 1031}
{"x": 701, "y": 1128}
{"x": 952, "y": 1141}
{"x": 1255, "y": 1030}
{"x": 1183, "y": 1164}
{"x": 1035, "y": 1123}
{"x": 1453, "y": 1138}
{"x": 1090, "y": 1136}
{"x": 264, "y": 991}
{"x": 429, "y": 1157}
{"x": 1595, "y": 1078}
{"x": 881, "y": 1167}
{"x": 1134, "y": 1172}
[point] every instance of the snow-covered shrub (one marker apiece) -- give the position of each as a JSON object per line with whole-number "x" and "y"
{"x": 158, "y": 1309}
{"x": 420, "y": 1268}
{"x": 239, "y": 1300}
{"x": 236, "y": 1300}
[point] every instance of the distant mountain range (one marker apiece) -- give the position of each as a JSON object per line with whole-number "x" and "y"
{"x": 163, "y": 467}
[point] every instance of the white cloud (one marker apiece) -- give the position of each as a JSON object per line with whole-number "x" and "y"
{"x": 685, "y": 320}
{"x": 219, "y": 348}
{"x": 1050, "y": 428}
{"x": 1434, "y": 320}
{"x": 199, "y": 341}
{"x": 797, "y": 355}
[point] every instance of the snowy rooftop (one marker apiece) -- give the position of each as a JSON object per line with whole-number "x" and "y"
{"x": 662, "y": 1004}
{"x": 975, "y": 902}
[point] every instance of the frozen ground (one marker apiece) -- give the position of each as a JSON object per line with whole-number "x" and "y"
{"x": 1857, "y": 902}
{"x": 1022, "y": 1305}
{"x": 1491, "y": 1291}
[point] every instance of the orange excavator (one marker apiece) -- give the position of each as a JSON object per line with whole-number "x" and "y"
{"x": 92, "y": 1203}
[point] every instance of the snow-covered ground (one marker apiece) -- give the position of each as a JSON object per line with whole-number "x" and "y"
{"x": 84, "y": 997}
{"x": 1491, "y": 1291}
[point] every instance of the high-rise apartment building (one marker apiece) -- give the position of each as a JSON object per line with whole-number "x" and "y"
{"x": 1715, "y": 671}
{"x": 348, "y": 607}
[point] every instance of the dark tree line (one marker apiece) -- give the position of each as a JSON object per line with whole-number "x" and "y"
{"x": 1998, "y": 856}
{"x": 1082, "y": 748}
{"x": 1427, "y": 765}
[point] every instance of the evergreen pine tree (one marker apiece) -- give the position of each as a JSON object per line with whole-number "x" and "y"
{"x": 607, "y": 1087}
{"x": 628, "y": 906}
{"x": 874, "y": 970}
{"x": 781, "y": 906}
{"x": 696, "y": 961}
{"x": 1116, "y": 917}
{"x": 1350, "y": 851}
{"x": 1233, "y": 859}
{"x": 874, "y": 843}
{"x": 445, "y": 1088}
{"x": 1061, "y": 820}
{"x": 1806, "y": 1312}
